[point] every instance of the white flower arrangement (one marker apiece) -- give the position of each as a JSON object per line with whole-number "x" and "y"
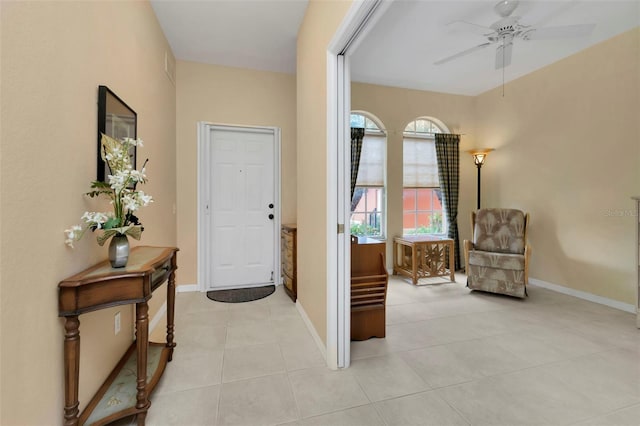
{"x": 120, "y": 188}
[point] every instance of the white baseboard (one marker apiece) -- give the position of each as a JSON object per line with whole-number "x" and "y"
{"x": 158, "y": 317}
{"x": 312, "y": 330}
{"x": 186, "y": 288}
{"x": 584, "y": 295}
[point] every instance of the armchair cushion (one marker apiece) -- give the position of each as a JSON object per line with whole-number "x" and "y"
{"x": 507, "y": 261}
{"x": 493, "y": 280}
{"x": 499, "y": 230}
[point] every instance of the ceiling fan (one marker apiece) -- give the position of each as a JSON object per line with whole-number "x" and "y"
{"x": 508, "y": 29}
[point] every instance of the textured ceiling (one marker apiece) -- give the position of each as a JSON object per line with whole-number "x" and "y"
{"x": 400, "y": 49}
{"x": 403, "y": 46}
{"x": 256, "y": 34}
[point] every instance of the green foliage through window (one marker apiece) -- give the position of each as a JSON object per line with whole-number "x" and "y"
{"x": 362, "y": 229}
{"x": 435, "y": 227}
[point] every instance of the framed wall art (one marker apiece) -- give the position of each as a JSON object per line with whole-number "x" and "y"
{"x": 115, "y": 119}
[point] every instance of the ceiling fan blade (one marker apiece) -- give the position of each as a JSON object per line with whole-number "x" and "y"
{"x": 560, "y": 9}
{"x": 460, "y": 54}
{"x": 503, "y": 55}
{"x": 468, "y": 27}
{"x": 568, "y": 31}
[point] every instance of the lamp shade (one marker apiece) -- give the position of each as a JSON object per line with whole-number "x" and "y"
{"x": 479, "y": 155}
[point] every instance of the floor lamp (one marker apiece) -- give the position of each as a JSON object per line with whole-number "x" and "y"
{"x": 479, "y": 155}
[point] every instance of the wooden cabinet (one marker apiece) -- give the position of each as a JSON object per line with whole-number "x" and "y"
{"x": 637, "y": 200}
{"x": 369, "y": 280}
{"x": 288, "y": 244}
{"x": 126, "y": 390}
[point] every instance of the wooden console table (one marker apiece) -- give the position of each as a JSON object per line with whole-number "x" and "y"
{"x": 101, "y": 287}
{"x": 423, "y": 256}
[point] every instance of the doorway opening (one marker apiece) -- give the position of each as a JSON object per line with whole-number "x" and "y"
{"x": 361, "y": 17}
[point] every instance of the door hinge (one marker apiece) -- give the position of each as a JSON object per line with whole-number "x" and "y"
{"x": 341, "y": 228}
{"x": 271, "y": 277}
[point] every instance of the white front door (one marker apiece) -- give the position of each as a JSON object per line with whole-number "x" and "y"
{"x": 242, "y": 208}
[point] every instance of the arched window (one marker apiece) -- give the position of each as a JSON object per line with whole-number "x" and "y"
{"x": 368, "y": 207}
{"x": 422, "y": 204}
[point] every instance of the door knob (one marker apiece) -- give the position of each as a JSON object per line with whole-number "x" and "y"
{"x": 270, "y": 206}
{"x": 271, "y": 216}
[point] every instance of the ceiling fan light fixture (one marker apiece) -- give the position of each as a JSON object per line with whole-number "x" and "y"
{"x": 505, "y": 7}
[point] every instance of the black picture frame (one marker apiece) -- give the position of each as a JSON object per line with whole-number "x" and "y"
{"x": 115, "y": 119}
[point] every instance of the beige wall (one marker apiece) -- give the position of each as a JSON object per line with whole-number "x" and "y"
{"x": 320, "y": 23}
{"x": 225, "y": 95}
{"x": 396, "y": 107}
{"x": 54, "y": 55}
{"x": 567, "y": 141}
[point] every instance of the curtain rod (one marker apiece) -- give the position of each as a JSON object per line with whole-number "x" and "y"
{"x": 385, "y": 132}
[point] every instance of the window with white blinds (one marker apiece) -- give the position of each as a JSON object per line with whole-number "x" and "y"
{"x": 368, "y": 205}
{"x": 420, "y": 166}
{"x": 422, "y": 206}
{"x": 372, "y": 161}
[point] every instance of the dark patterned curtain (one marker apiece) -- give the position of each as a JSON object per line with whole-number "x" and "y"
{"x": 357, "y": 134}
{"x": 448, "y": 155}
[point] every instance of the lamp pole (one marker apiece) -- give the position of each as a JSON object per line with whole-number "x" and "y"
{"x": 479, "y": 155}
{"x": 479, "y": 165}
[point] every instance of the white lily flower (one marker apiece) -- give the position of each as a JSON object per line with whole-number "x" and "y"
{"x": 144, "y": 199}
{"x": 130, "y": 203}
{"x": 73, "y": 234}
{"x": 121, "y": 192}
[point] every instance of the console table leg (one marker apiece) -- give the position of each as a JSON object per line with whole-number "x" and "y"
{"x": 71, "y": 369}
{"x": 414, "y": 264}
{"x": 142, "y": 339}
{"x": 171, "y": 302}
{"x": 141, "y": 418}
{"x": 452, "y": 261}
{"x": 395, "y": 258}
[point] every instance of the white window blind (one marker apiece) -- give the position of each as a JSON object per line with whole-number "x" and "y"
{"x": 420, "y": 163}
{"x": 371, "y": 170}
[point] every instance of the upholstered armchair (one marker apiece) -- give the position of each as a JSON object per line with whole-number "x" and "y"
{"x": 497, "y": 258}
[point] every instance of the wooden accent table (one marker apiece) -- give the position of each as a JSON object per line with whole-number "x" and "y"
{"x": 101, "y": 287}
{"x": 423, "y": 256}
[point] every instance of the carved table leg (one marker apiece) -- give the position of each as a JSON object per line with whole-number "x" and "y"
{"x": 452, "y": 261}
{"x": 171, "y": 302}
{"x": 414, "y": 263}
{"x": 71, "y": 369}
{"x": 395, "y": 258}
{"x": 142, "y": 339}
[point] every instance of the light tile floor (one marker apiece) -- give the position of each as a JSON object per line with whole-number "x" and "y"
{"x": 451, "y": 357}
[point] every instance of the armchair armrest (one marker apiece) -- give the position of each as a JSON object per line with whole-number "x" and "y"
{"x": 527, "y": 255}
{"x": 468, "y": 246}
